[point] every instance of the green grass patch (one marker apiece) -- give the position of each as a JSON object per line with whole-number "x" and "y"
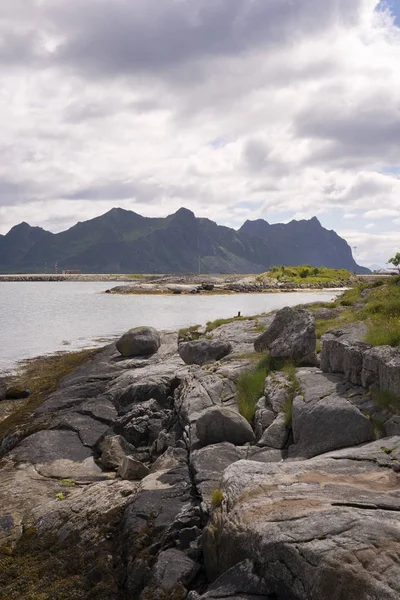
{"x": 386, "y": 400}
{"x": 42, "y": 376}
{"x": 307, "y": 274}
{"x": 211, "y": 325}
{"x": 216, "y": 498}
{"x": 287, "y": 410}
{"x": 250, "y": 387}
{"x": 189, "y": 333}
{"x": 384, "y": 332}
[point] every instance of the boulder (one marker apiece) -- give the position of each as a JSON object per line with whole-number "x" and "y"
{"x": 381, "y": 367}
{"x": 342, "y": 351}
{"x": 291, "y": 336}
{"x": 132, "y": 469}
{"x": 220, "y": 424}
{"x": 17, "y": 393}
{"x": 276, "y": 435}
{"x": 3, "y": 388}
{"x": 198, "y": 352}
{"x": 327, "y": 424}
{"x": 174, "y": 568}
{"x": 113, "y": 450}
{"x": 140, "y": 341}
{"x": 278, "y": 389}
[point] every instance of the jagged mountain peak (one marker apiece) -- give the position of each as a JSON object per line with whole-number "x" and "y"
{"x": 122, "y": 241}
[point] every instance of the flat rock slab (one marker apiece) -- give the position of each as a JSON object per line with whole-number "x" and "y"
{"x": 83, "y": 471}
{"x": 48, "y": 446}
{"x": 322, "y": 528}
{"x": 89, "y": 430}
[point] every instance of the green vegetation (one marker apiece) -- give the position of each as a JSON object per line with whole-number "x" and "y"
{"x": 395, "y": 260}
{"x": 388, "y": 450}
{"x": 307, "y": 274}
{"x": 216, "y": 498}
{"x": 384, "y": 333}
{"x": 377, "y": 303}
{"x": 250, "y": 387}
{"x": 211, "y": 325}
{"x": 287, "y": 410}
{"x": 42, "y": 376}
{"x": 386, "y": 400}
{"x": 189, "y": 333}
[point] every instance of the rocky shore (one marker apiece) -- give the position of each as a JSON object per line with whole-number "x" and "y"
{"x": 139, "y": 478}
{"x": 183, "y": 284}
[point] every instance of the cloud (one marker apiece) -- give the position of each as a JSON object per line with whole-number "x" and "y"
{"x": 236, "y": 109}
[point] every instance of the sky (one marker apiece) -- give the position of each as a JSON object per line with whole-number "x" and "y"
{"x": 235, "y": 109}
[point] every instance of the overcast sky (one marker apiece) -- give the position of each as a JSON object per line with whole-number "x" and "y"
{"x": 236, "y": 109}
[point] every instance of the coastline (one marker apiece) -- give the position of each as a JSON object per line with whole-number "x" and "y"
{"x": 122, "y": 441}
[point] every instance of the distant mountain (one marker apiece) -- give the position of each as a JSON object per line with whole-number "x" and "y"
{"x": 122, "y": 241}
{"x": 303, "y": 242}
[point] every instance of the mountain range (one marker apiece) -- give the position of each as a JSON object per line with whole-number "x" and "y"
{"x": 122, "y": 241}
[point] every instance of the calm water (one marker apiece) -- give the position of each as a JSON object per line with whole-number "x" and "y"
{"x": 43, "y": 317}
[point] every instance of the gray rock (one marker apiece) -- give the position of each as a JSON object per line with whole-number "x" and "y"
{"x": 263, "y": 418}
{"x": 277, "y": 389}
{"x": 240, "y": 581}
{"x": 210, "y": 462}
{"x": 140, "y": 341}
{"x": 342, "y": 351}
{"x": 276, "y": 435}
{"x": 89, "y": 430}
{"x": 290, "y": 337}
{"x": 173, "y": 568}
{"x": 161, "y": 498}
{"x": 381, "y": 367}
{"x": 113, "y": 449}
{"x": 327, "y": 424}
{"x": 142, "y": 425}
{"x": 3, "y": 388}
{"x": 222, "y": 424}
{"x": 17, "y": 393}
{"x": 326, "y": 313}
{"x": 132, "y": 469}
{"x": 199, "y": 352}
{"x": 325, "y": 528}
{"x": 49, "y": 446}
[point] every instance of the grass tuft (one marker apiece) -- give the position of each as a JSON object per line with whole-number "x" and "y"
{"x": 217, "y": 497}
{"x": 250, "y": 387}
{"x": 386, "y": 400}
{"x": 189, "y": 333}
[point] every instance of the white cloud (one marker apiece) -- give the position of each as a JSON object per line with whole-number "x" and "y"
{"x": 288, "y": 107}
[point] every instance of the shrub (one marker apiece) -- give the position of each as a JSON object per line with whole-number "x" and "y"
{"x": 304, "y": 273}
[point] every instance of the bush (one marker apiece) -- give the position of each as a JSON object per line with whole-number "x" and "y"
{"x": 304, "y": 273}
